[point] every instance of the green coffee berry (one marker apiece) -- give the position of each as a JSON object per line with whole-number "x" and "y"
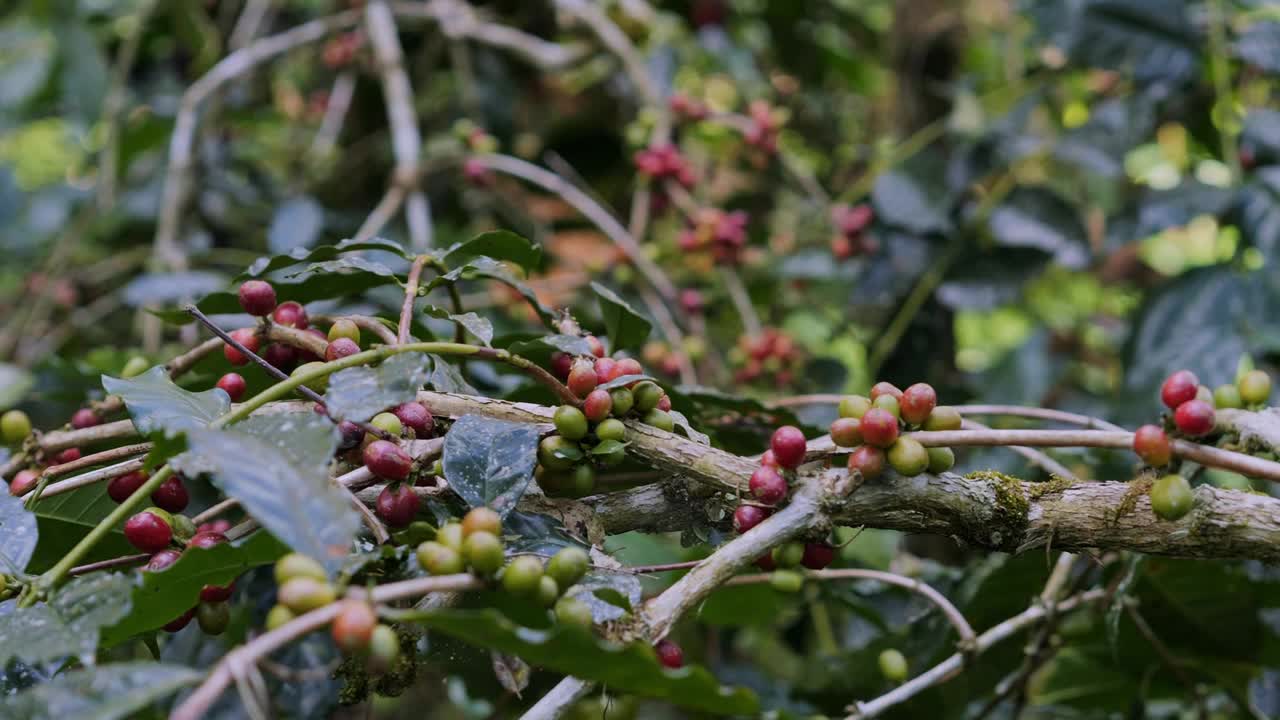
{"x": 647, "y": 395}
{"x": 440, "y": 559}
{"x": 907, "y": 457}
{"x": 135, "y": 367}
{"x": 1227, "y": 396}
{"x": 612, "y": 429}
{"x": 15, "y": 426}
{"x": 660, "y": 419}
{"x": 568, "y": 566}
{"x": 571, "y": 611}
{"x": 483, "y": 552}
{"x": 548, "y": 591}
{"x": 889, "y": 404}
{"x": 297, "y": 565}
{"x": 788, "y": 555}
{"x": 1255, "y": 387}
{"x": 388, "y": 423}
{"x": 623, "y": 401}
{"x": 787, "y": 581}
{"x": 570, "y": 422}
{"x": 523, "y": 575}
{"x": 943, "y": 417}
{"x": 854, "y": 406}
{"x": 279, "y": 615}
{"x": 941, "y": 459}
{"x": 450, "y": 535}
{"x": 893, "y": 665}
{"x": 1171, "y": 497}
{"x": 558, "y": 453}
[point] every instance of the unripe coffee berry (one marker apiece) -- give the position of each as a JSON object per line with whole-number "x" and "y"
{"x": 817, "y": 555}
{"x": 611, "y": 429}
{"x": 304, "y": 594}
{"x": 1194, "y": 417}
{"x": 120, "y": 488}
{"x": 582, "y": 379}
{"x": 416, "y": 416}
{"x": 171, "y": 495}
{"x": 483, "y": 552}
{"x": 893, "y": 665}
{"x": 944, "y": 417}
{"x": 247, "y": 338}
{"x": 384, "y": 649}
{"x": 386, "y": 459}
{"x": 941, "y": 459}
{"x": 1179, "y": 388}
{"x": 1227, "y": 396}
{"x": 213, "y": 617}
{"x": 450, "y": 535}
{"x": 277, "y": 616}
{"x": 767, "y": 485}
{"x": 85, "y": 418}
{"x": 522, "y": 576}
{"x": 344, "y": 328}
{"x": 889, "y": 404}
{"x": 548, "y": 592}
{"x": 597, "y": 405}
{"x": 481, "y": 519}
{"x": 574, "y": 612}
{"x": 879, "y": 427}
{"x": 297, "y": 565}
{"x": 788, "y": 555}
{"x": 1152, "y": 445}
{"x": 397, "y": 505}
{"x": 1255, "y": 387}
{"x": 570, "y": 422}
{"x": 439, "y": 559}
{"x": 291, "y": 314}
{"x": 908, "y": 457}
{"x": 885, "y": 389}
{"x": 788, "y": 446}
{"x": 257, "y": 297}
{"x": 135, "y": 367}
{"x": 623, "y": 401}
{"x": 568, "y": 566}
{"x": 148, "y": 532}
{"x": 786, "y": 581}
{"x": 746, "y": 517}
{"x": 353, "y": 626}
{"x": 184, "y": 529}
{"x": 669, "y": 654}
{"x": 660, "y": 419}
{"x": 388, "y": 422}
{"x": 340, "y": 348}
{"x": 162, "y": 560}
{"x": 868, "y": 461}
{"x": 1171, "y": 497}
{"x": 233, "y": 385}
{"x": 917, "y": 402}
{"x": 15, "y": 426}
{"x": 582, "y": 479}
{"x": 846, "y": 432}
{"x": 854, "y": 406}
{"x": 647, "y": 395}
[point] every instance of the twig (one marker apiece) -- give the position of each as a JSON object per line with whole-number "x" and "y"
{"x": 215, "y": 510}
{"x": 113, "y": 105}
{"x": 370, "y": 520}
{"x": 741, "y": 301}
{"x": 459, "y": 20}
{"x": 335, "y": 113}
{"x": 1061, "y": 416}
{"x": 364, "y": 322}
{"x": 122, "y": 561}
{"x": 45, "y": 489}
{"x": 617, "y": 42}
{"x": 382, "y": 213}
{"x": 1053, "y": 467}
{"x": 410, "y": 294}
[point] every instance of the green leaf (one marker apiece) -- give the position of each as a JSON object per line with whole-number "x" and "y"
{"x": 164, "y": 288}
{"x": 359, "y": 393}
{"x": 28, "y": 55}
{"x": 277, "y": 468}
{"x": 913, "y": 198}
{"x": 606, "y": 447}
{"x": 547, "y": 344}
{"x": 447, "y": 378}
{"x": 162, "y": 596}
{"x": 609, "y": 595}
{"x": 66, "y": 518}
{"x": 14, "y": 384}
{"x": 485, "y": 267}
{"x": 626, "y": 327}
{"x": 499, "y": 245}
{"x": 490, "y": 462}
{"x": 156, "y": 404}
{"x": 108, "y": 692}
{"x": 631, "y": 668}
{"x": 1038, "y": 218}
{"x": 68, "y": 625}
{"x": 471, "y": 322}
{"x": 18, "y": 534}
{"x": 1155, "y": 40}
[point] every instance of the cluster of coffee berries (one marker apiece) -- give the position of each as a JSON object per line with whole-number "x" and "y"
{"x": 721, "y": 234}
{"x": 397, "y": 504}
{"x": 664, "y": 162}
{"x": 475, "y": 545}
{"x": 771, "y": 357}
{"x": 873, "y": 427}
{"x": 688, "y": 108}
{"x": 212, "y": 612}
{"x": 766, "y": 123}
{"x": 1192, "y": 404}
{"x": 851, "y": 237}
{"x": 171, "y": 496}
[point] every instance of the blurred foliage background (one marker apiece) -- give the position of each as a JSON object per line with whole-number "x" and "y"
{"x": 1070, "y": 200}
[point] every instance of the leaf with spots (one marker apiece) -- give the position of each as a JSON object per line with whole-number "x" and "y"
{"x": 490, "y": 462}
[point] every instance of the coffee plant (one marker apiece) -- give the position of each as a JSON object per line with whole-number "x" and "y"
{"x": 625, "y": 358}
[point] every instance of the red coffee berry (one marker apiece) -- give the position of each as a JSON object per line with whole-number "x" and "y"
{"x": 179, "y": 622}
{"x": 280, "y": 356}
{"x": 1179, "y": 388}
{"x": 885, "y": 388}
{"x": 879, "y": 427}
{"x": 1194, "y": 417}
{"x": 233, "y": 385}
{"x": 664, "y": 403}
{"x": 416, "y": 415}
{"x": 582, "y": 378}
{"x": 23, "y": 481}
{"x": 162, "y": 560}
{"x": 628, "y": 366}
{"x": 597, "y": 405}
{"x": 867, "y": 460}
{"x": 340, "y": 348}
{"x": 692, "y": 301}
{"x": 247, "y": 338}
{"x": 746, "y": 517}
{"x": 398, "y": 505}
{"x": 171, "y": 495}
{"x": 817, "y": 555}
{"x": 386, "y": 459}
{"x": 306, "y": 355}
{"x": 788, "y": 446}
{"x": 207, "y": 539}
{"x": 597, "y": 347}
{"x": 350, "y": 435}
{"x": 84, "y": 417}
{"x": 917, "y": 402}
{"x": 561, "y": 363}
{"x": 765, "y": 562}
{"x": 768, "y": 459}
{"x": 216, "y": 593}
{"x": 257, "y": 297}
{"x": 767, "y": 485}
{"x": 120, "y": 488}
{"x": 606, "y": 369}
{"x": 353, "y": 627}
{"x": 66, "y": 456}
{"x": 148, "y": 532}
{"x": 1152, "y": 445}
{"x": 291, "y": 314}
{"x": 216, "y": 527}
{"x": 669, "y": 654}
{"x": 846, "y": 432}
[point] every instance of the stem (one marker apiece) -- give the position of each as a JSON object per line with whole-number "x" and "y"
{"x": 410, "y": 294}
{"x": 45, "y": 489}
{"x": 1053, "y": 467}
{"x": 1049, "y": 414}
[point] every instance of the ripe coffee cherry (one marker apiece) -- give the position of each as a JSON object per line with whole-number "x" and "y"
{"x": 627, "y": 366}
{"x": 867, "y": 460}
{"x": 277, "y": 616}
{"x": 439, "y": 559}
{"x": 548, "y": 592}
{"x": 748, "y": 516}
{"x": 765, "y": 562}
{"x": 297, "y": 565}
{"x": 568, "y": 566}
{"x": 1152, "y": 445}
{"x": 216, "y": 527}
{"x": 257, "y": 297}
{"x": 217, "y": 593}
{"x": 171, "y": 495}
{"x": 561, "y": 363}
{"x": 767, "y": 485}
{"x": 786, "y": 581}
{"x": 817, "y": 555}
{"x": 570, "y": 422}
{"x": 349, "y": 435}
{"x": 1179, "y": 388}
{"x": 1194, "y": 417}
{"x": 69, "y": 455}
{"x": 879, "y": 428}
{"x": 573, "y": 612}
{"x": 522, "y": 576}
{"x": 788, "y": 446}
{"x": 582, "y": 379}
{"x": 415, "y": 415}
{"x": 353, "y": 626}
{"x": 889, "y": 404}
{"x": 944, "y": 417}
{"x": 483, "y": 552}
{"x": 213, "y": 617}
{"x": 247, "y": 338}
{"x": 208, "y": 539}
{"x": 669, "y": 654}
{"x": 941, "y": 459}
{"x": 854, "y": 406}
{"x": 84, "y": 417}
{"x": 1255, "y": 387}
{"x": 660, "y": 419}
{"x": 597, "y": 347}
{"x": 233, "y": 385}
{"x": 304, "y": 594}
{"x": 291, "y": 314}
{"x": 23, "y": 481}
{"x": 846, "y": 432}
{"x": 885, "y": 388}
{"x": 280, "y": 356}
{"x": 15, "y": 426}
{"x": 893, "y": 665}
{"x": 340, "y": 348}
{"x": 917, "y": 402}
{"x": 148, "y": 532}
{"x": 162, "y": 560}
{"x": 179, "y": 622}
{"x": 1171, "y": 497}
{"x": 767, "y": 458}
{"x": 1227, "y": 396}
{"x": 344, "y": 328}
{"x": 597, "y": 405}
{"x": 481, "y": 519}
{"x": 664, "y": 403}
{"x": 385, "y": 459}
{"x": 788, "y": 555}
{"x": 384, "y": 649}
{"x": 397, "y": 505}
{"x": 908, "y": 457}
{"x": 606, "y": 369}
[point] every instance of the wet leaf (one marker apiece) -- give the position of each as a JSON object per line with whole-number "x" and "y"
{"x": 359, "y": 393}
{"x": 156, "y": 404}
{"x": 490, "y": 462}
{"x": 109, "y": 692}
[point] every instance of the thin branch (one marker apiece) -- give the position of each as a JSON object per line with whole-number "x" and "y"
{"x": 1049, "y": 414}
{"x": 335, "y": 114}
{"x": 113, "y": 563}
{"x": 741, "y": 301}
{"x": 1053, "y": 467}
{"x": 382, "y": 213}
{"x": 370, "y": 520}
{"x": 1165, "y": 654}
{"x": 43, "y": 487}
{"x": 215, "y": 510}
{"x": 616, "y": 41}
{"x": 410, "y": 295}
{"x": 459, "y": 20}
{"x": 90, "y": 478}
